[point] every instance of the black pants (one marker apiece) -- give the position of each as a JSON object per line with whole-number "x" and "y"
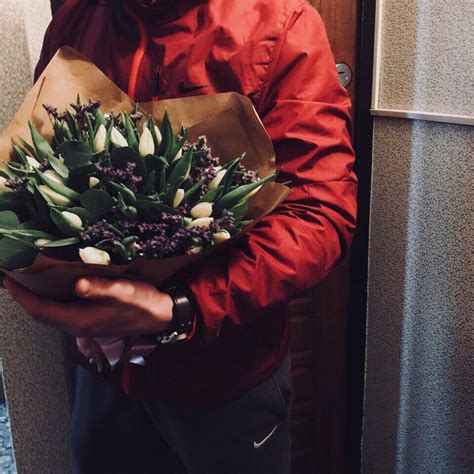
{"x": 113, "y": 433}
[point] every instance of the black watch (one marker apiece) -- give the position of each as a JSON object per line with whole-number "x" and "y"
{"x": 183, "y": 316}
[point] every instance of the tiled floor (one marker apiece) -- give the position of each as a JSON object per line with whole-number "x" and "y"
{"x": 7, "y": 461}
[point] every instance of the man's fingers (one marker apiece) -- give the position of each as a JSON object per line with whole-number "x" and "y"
{"x": 103, "y": 288}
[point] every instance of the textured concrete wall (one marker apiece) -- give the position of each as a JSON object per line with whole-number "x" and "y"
{"x": 426, "y": 56}
{"x": 32, "y": 355}
{"x": 419, "y": 407}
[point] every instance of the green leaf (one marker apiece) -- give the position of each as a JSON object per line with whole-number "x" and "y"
{"x": 162, "y": 180}
{"x": 42, "y": 147}
{"x": 28, "y": 148}
{"x": 58, "y": 166}
{"x": 63, "y": 242}
{"x": 76, "y": 153}
{"x": 229, "y": 175}
{"x": 18, "y": 170}
{"x": 97, "y": 201}
{"x": 99, "y": 120}
{"x": 84, "y": 214}
{"x": 191, "y": 191}
{"x": 153, "y": 210}
{"x": 174, "y": 149}
{"x": 15, "y": 253}
{"x": 20, "y": 154}
{"x": 168, "y": 141}
{"x": 182, "y": 167}
{"x": 72, "y": 125}
{"x": 10, "y": 201}
{"x": 9, "y": 220}
{"x": 42, "y": 206}
{"x": 212, "y": 195}
{"x": 63, "y": 224}
{"x": 129, "y": 240}
{"x": 240, "y": 209}
{"x": 59, "y": 187}
{"x": 230, "y": 199}
{"x": 61, "y": 132}
{"x": 171, "y": 192}
{"x": 127, "y": 193}
{"x": 31, "y": 234}
{"x": 155, "y": 163}
{"x": 130, "y": 131}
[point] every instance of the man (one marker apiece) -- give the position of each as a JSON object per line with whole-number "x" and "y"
{"x": 220, "y": 398}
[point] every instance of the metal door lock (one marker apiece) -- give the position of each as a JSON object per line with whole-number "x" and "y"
{"x": 344, "y": 73}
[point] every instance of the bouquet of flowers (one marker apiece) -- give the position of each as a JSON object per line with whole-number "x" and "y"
{"x": 109, "y": 188}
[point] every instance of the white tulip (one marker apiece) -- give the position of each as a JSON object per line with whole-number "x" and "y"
{"x": 118, "y": 139}
{"x": 53, "y": 176}
{"x": 33, "y": 162}
{"x": 3, "y": 187}
{"x": 178, "y": 155}
{"x": 94, "y": 256}
{"x": 55, "y": 197}
{"x": 93, "y": 182}
{"x": 100, "y": 138}
{"x": 158, "y": 134}
{"x": 73, "y": 219}
{"x": 217, "y": 180}
{"x": 203, "y": 209}
{"x": 42, "y": 242}
{"x": 220, "y": 236}
{"x": 178, "y": 197}
{"x": 201, "y": 222}
{"x": 194, "y": 250}
{"x": 252, "y": 193}
{"x": 146, "y": 145}
{"x": 134, "y": 247}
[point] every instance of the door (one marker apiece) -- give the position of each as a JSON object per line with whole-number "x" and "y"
{"x": 319, "y": 318}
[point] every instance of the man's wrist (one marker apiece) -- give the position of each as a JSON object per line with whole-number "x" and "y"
{"x": 183, "y": 315}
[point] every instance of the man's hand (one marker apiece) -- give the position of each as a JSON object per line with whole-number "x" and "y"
{"x": 106, "y": 308}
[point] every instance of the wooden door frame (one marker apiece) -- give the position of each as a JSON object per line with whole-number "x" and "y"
{"x": 360, "y": 245}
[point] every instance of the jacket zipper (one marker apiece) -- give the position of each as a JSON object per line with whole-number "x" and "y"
{"x": 137, "y": 57}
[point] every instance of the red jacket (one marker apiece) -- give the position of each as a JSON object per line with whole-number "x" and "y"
{"x": 277, "y": 53}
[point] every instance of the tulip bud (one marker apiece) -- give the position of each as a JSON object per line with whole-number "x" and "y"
{"x": 42, "y": 242}
{"x": 178, "y": 155}
{"x": 93, "y": 182}
{"x": 54, "y": 176}
{"x": 100, "y": 138}
{"x": 220, "y": 236}
{"x": 134, "y": 247}
{"x": 194, "y": 250}
{"x": 146, "y": 145}
{"x": 158, "y": 134}
{"x": 217, "y": 180}
{"x": 3, "y": 186}
{"x": 73, "y": 219}
{"x": 118, "y": 139}
{"x": 201, "y": 222}
{"x": 94, "y": 256}
{"x": 203, "y": 209}
{"x": 33, "y": 162}
{"x": 178, "y": 197}
{"x": 55, "y": 197}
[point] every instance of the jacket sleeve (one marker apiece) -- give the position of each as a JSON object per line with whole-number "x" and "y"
{"x": 307, "y": 115}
